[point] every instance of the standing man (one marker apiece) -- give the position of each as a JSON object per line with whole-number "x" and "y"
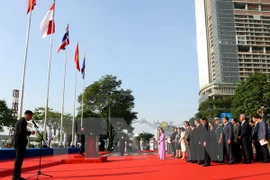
{"x": 20, "y": 142}
{"x": 245, "y": 138}
{"x": 199, "y": 142}
{"x": 263, "y": 136}
{"x": 50, "y": 136}
{"x": 82, "y": 141}
{"x": 192, "y": 143}
{"x": 173, "y": 141}
{"x": 219, "y": 134}
{"x": 228, "y": 139}
{"x": 236, "y": 146}
{"x": 122, "y": 145}
{"x": 255, "y": 140}
{"x": 206, "y": 141}
{"x": 187, "y": 133}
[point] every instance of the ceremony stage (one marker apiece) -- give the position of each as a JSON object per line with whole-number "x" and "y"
{"x": 9, "y": 153}
{"x": 141, "y": 167}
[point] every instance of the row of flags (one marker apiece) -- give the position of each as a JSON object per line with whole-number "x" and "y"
{"x": 47, "y": 27}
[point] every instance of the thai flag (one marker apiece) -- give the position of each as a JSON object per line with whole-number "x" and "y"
{"x": 65, "y": 40}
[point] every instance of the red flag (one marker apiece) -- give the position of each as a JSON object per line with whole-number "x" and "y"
{"x": 77, "y": 58}
{"x": 30, "y": 6}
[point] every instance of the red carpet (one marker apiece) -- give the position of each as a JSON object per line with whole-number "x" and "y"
{"x": 139, "y": 168}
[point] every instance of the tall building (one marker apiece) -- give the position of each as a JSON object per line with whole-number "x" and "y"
{"x": 233, "y": 41}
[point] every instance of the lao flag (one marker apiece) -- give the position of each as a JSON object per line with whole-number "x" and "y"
{"x": 65, "y": 40}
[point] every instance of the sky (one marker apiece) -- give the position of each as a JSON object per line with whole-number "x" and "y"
{"x": 148, "y": 44}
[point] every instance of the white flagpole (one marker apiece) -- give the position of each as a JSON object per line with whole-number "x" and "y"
{"x": 63, "y": 97}
{"x": 48, "y": 79}
{"x": 83, "y": 95}
{"x": 24, "y": 64}
{"x": 74, "y": 107}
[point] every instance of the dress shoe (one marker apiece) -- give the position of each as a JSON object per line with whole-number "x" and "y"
{"x": 247, "y": 162}
{"x": 229, "y": 163}
{"x": 205, "y": 165}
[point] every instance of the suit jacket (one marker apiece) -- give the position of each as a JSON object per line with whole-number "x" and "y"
{"x": 199, "y": 130}
{"x": 236, "y": 129}
{"x": 228, "y": 132}
{"x": 187, "y": 132}
{"x": 263, "y": 131}
{"x": 205, "y": 133}
{"x": 245, "y": 131}
{"x": 255, "y": 132}
{"x": 173, "y": 136}
{"x": 21, "y": 133}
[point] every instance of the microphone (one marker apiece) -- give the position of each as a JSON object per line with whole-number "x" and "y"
{"x": 34, "y": 124}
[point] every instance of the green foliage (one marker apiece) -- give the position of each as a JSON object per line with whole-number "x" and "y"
{"x": 251, "y": 95}
{"x": 144, "y": 136}
{"x": 106, "y": 94}
{"x": 213, "y": 108}
{"x": 54, "y": 118}
{"x": 6, "y": 115}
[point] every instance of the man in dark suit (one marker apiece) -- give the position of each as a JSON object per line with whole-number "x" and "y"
{"x": 192, "y": 143}
{"x": 187, "y": 131}
{"x": 199, "y": 143}
{"x": 173, "y": 141}
{"x": 82, "y": 136}
{"x": 228, "y": 138}
{"x": 245, "y": 138}
{"x": 20, "y": 142}
{"x": 122, "y": 146}
{"x": 236, "y": 146}
{"x": 263, "y": 136}
{"x": 218, "y": 133}
{"x": 206, "y": 141}
{"x": 255, "y": 138}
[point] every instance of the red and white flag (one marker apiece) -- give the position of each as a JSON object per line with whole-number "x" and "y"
{"x": 30, "y": 5}
{"x": 47, "y": 25}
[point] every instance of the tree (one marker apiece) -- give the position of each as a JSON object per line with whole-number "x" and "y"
{"x": 251, "y": 95}
{"x": 54, "y": 118}
{"x": 6, "y": 115}
{"x": 144, "y": 136}
{"x": 213, "y": 107}
{"x": 106, "y": 98}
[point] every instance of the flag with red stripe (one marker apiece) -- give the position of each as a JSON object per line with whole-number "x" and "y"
{"x": 47, "y": 25}
{"x": 65, "y": 40}
{"x": 30, "y": 5}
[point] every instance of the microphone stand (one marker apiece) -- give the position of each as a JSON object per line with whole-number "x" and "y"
{"x": 39, "y": 173}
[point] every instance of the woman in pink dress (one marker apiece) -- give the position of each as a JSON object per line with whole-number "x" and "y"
{"x": 161, "y": 144}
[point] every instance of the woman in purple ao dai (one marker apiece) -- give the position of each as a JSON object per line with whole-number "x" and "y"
{"x": 161, "y": 144}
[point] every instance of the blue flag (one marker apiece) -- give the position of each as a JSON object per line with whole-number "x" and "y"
{"x": 83, "y": 68}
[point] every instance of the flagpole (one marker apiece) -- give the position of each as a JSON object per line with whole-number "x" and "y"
{"x": 24, "y": 63}
{"x": 83, "y": 94}
{"x": 74, "y": 106}
{"x": 48, "y": 78}
{"x": 63, "y": 97}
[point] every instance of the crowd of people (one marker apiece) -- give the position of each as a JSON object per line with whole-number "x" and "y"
{"x": 203, "y": 142}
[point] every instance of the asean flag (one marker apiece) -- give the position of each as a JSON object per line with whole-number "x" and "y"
{"x": 47, "y": 25}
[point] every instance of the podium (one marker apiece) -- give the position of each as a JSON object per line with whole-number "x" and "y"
{"x": 91, "y": 146}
